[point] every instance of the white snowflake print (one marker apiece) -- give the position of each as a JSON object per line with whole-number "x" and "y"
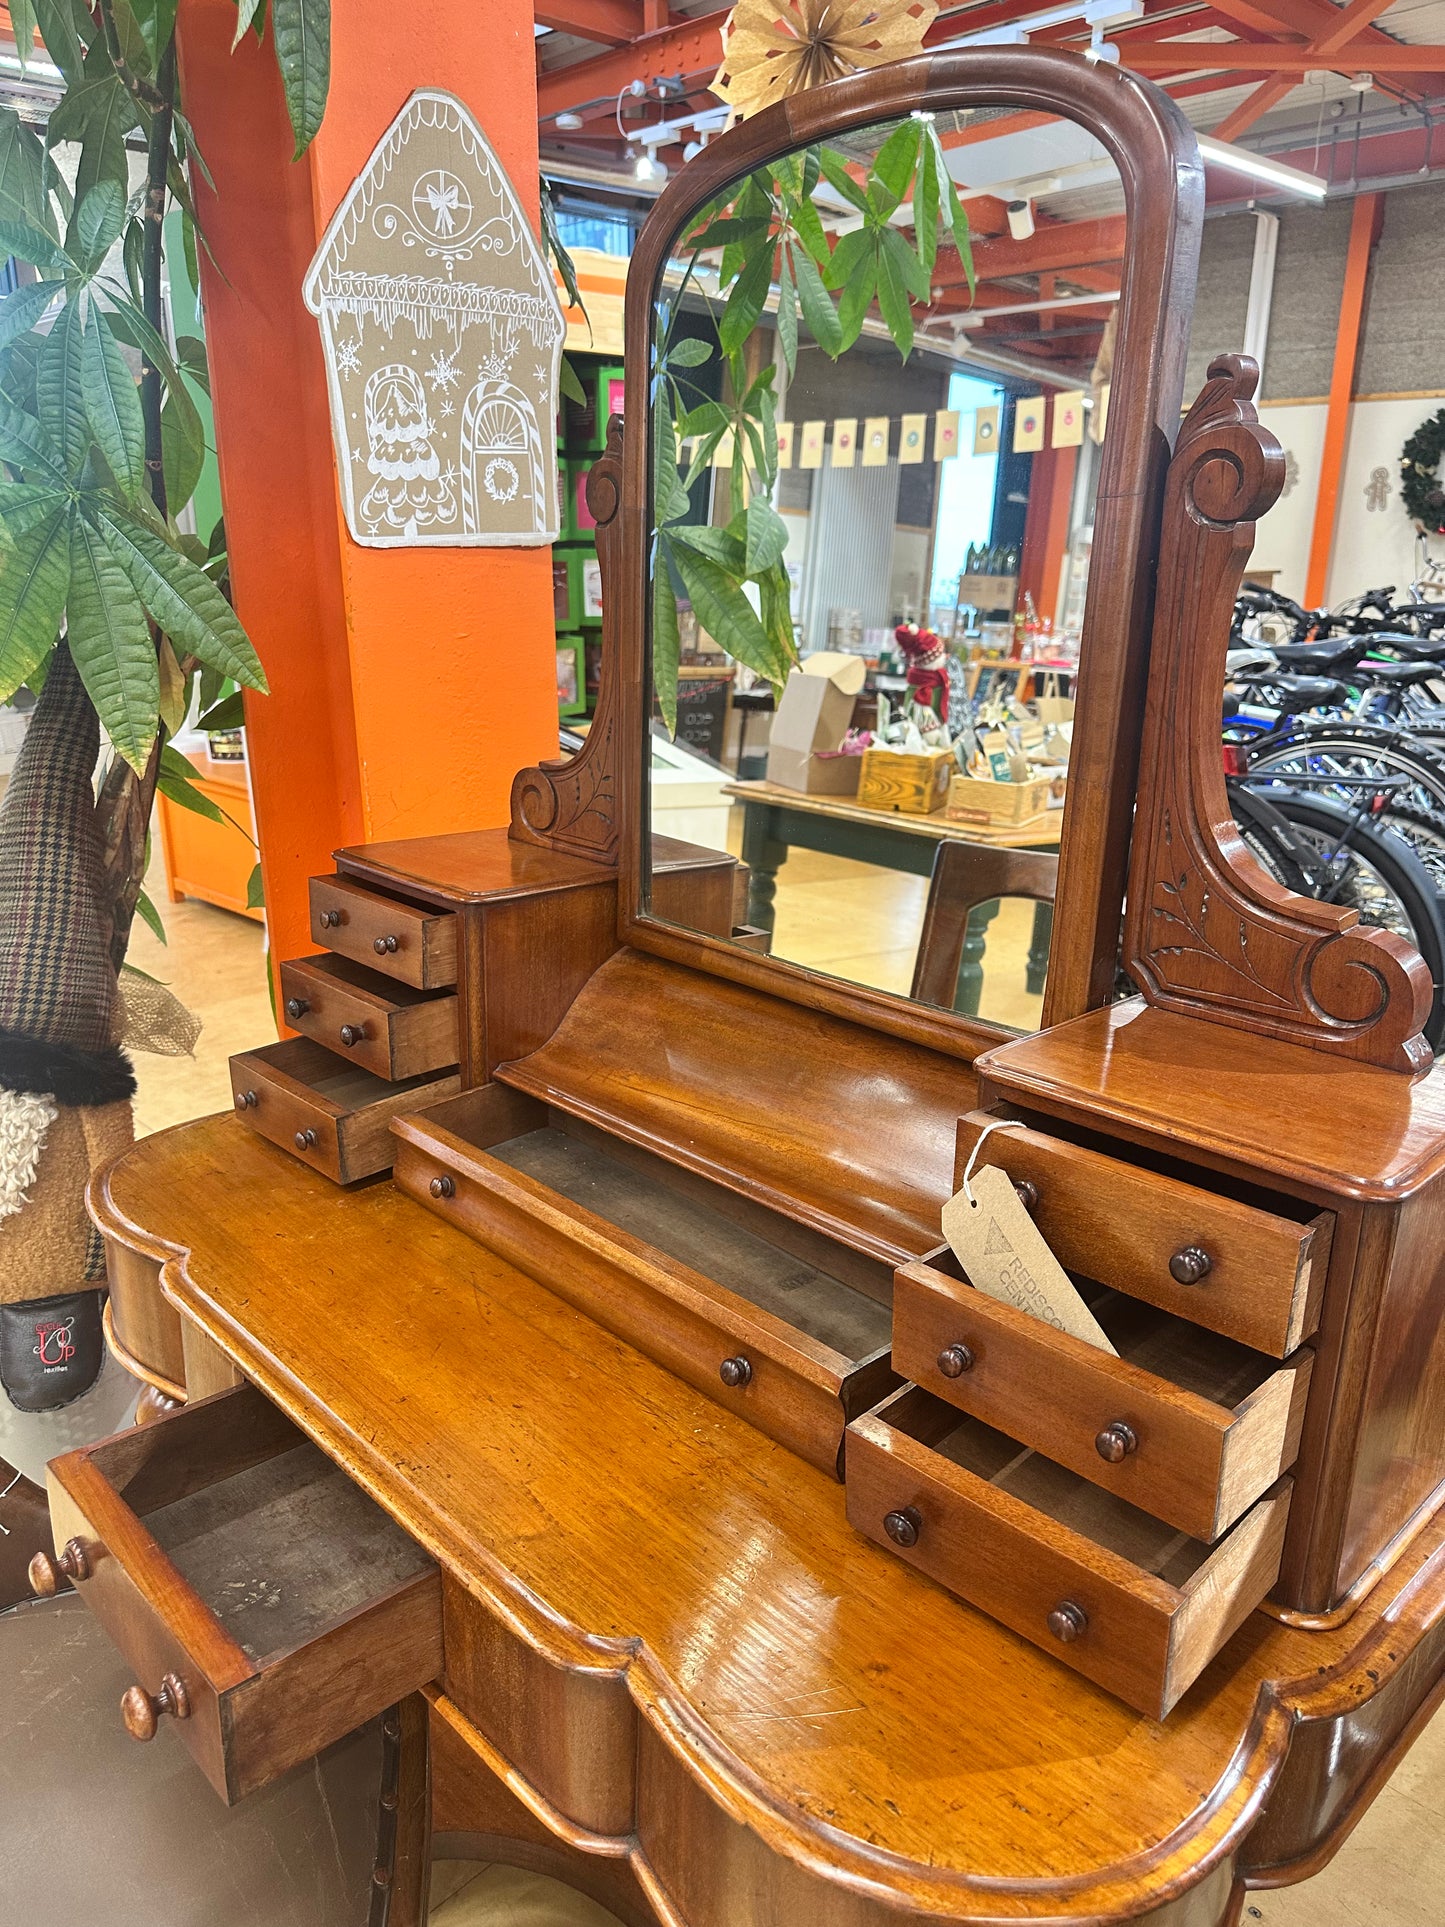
{"x": 447, "y": 408}
{"x": 348, "y": 359}
{"x": 541, "y": 375}
{"x": 443, "y": 373}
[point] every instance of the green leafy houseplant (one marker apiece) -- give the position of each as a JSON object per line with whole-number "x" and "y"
{"x": 97, "y": 467}
{"x": 771, "y": 236}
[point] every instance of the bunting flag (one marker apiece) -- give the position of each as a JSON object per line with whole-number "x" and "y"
{"x": 1099, "y": 420}
{"x": 985, "y": 431}
{"x": 1068, "y": 419}
{"x": 845, "y": 441}
{"x": 1029, "y": 425}
{"x": 875, "y": 441}
{"x": 813, "y": 433}
{"x": 910, "y": 438}
{"x": 945, "y": 434}
{"x": 785, "y": 444}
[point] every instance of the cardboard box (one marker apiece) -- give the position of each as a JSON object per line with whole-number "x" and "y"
{"x": 813, "y": 715}
{"x": 997, "y": 805}
{"x": 905, "y": 782}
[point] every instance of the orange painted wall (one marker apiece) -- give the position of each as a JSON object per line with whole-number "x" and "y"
{"x": 1046, "y": 527}
{"x": 407, "y": 685}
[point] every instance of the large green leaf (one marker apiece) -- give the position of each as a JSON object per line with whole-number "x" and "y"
{"x": 20, "y": 310}
{"x": 767, "y": 536}
{"x": 818, "y": 311}
{"x": 58, "y": 388}
{"x": 893, "y": 302}
{"x": 925, "y": 205}
{"x": 157, "y": 22}
{"x": 857, "y": 295}
{"x": 897, "y": 158}
{"x": 32, "y": 244}
{"x": 110, "y": 642}
{"x": 22, "y": 170}
{"x": 97, "y": 223}
{"x": 228, "y": 713}
{"x": 25, "y": 445}
{"x": 688, "y": 353}
{"x": 56, "y": 22}
{"x": 183, "y": 453}
{"x": 25, "y": 505}
{"x": 835, "y": 172}
{"x": 670, "y": 498}
{"x": 34, "y": 580}
{"x": 302, "y": 30}
{"x": 746, "y": 301}
{"x": 725, "y": 612}
{"x": 177, "y": 780}
{"x": 851, "y": 252}
{"x": 722, "y": 546}
{"x": 99, "y": 113}
{"x": 184, "y": 600}
{"x": 665, "y": 646}
{"x": 787, "y": 308}
{"x": 22, "y": 21}
{"x": 112, "y": 406}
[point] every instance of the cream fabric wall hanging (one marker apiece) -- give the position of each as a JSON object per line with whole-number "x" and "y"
{"x": 442, "y": 336}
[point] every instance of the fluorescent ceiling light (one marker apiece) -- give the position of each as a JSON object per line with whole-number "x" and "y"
{"x": 1239, "y": 160}
{"x": 976, "y": 317}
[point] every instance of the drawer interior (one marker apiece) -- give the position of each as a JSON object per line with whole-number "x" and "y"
{"x": 357, "y": 980}
{"x": 839, "y": 1297}
{"x": 285, "y": 1549}
{"x": 343, "y": 1085}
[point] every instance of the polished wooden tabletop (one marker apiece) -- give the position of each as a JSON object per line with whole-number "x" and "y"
{"x": 841, "y": 1706}
{"x": 1043, "y": 832}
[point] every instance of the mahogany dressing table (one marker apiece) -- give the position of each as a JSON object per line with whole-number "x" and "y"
{"x": 713, "y": 1543}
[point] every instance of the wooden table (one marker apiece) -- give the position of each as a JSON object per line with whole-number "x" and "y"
{"x": 776, "y": 820}
{"x": 683, "y": 1661}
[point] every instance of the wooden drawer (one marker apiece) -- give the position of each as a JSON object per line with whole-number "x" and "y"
{"x": 388, "y": 1028}
{"x": 266, "y": 1604}
{"x": 1258, "y": 1274}
{"x": 1184, "y": 1423}
{"x": 333, "y": 1115}
{"x": 417, "y": 946}
{"x": 1133, "y": 1605}
{"x": 772, "y": 1319}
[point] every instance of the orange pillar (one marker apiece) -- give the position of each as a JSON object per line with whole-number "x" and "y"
{"x": 1364, "y": 230}
{"x": 1046, "y": 527}
{"x": 407, "y": 684}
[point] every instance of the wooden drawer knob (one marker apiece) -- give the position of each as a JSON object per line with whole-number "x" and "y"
{"x": 296, "y": 1007}
{"x": 305, "y": 1140}
{"x": 1116, "y": 1442}
{"x": 142, "y": 1712}
{"x": 955, "y": 1360}
{"x": 1028, "y": 1193}
{"x": 1067, "y": 1621}
{"x": 330, "y": 919}
{"x": 1191, "y": 1264}
{"x": 735, "y": 1371}
{"x": 385, "y": 946}
{"x": 45, "y": 1573}
{"x": 442, "y": 1187}
{"x": 352, "y": 1034}
{"x": 246, "y": 1100}
{"x": 903, "y": 1527}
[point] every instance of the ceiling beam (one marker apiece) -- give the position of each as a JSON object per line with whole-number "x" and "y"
{"x": 1265, "y": 57}
{"x": 1053, "y": 248}
{"x": 1269, "y": 94}
{"x": 612, "y": 23}
{"x": 692, "y": 48}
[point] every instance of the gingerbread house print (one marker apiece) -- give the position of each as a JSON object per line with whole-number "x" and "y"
{"x": 442, "y": 336}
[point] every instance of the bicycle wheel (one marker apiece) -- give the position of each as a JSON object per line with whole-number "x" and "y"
{"x": 1373, "y": 871}
{"x": 1323, "y": 755}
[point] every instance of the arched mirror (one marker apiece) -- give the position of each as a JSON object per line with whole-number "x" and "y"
{"x": 900, "y": 364}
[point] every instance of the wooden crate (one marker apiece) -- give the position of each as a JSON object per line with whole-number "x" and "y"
{"x": 907, "y": 783}
{"x": 972, "y": 799}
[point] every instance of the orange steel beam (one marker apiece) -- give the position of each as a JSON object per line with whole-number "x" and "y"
{"x": 1267, "y": 95}
{"x": 1364, "y": 228}
{"x": 1051, "y": 249}
{"x": 614, "y": 23}
{"x": 1266, "y": 57}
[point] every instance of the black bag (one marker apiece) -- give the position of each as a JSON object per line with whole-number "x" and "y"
{"x": 51, "y": 1350}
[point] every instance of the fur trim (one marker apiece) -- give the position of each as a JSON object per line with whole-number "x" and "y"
{"x": 24, "y": 1120}
{"x": 61, "y": 1071}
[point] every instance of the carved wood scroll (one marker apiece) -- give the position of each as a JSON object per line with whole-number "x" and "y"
{"x": 570, "y": 804}
{"x": 1208, "y": 930}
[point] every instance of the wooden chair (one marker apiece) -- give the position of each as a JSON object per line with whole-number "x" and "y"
{"x": 965, "y": 877}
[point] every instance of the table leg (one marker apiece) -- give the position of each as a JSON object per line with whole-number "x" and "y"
{"x": 1043, "y": 937}
{"x": 764, "y": 854}
{"x": 970, "y": 969}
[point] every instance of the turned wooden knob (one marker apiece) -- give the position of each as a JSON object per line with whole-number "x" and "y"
{"x": 352, "y": 1034}
{"x": 245, "y": 1100}
{"x": 1027, "y": 1193}
{"x": 46, "y": 1573}
{"x": 296, "y": 1007}
{"x": 1116, "y": 1442}
{"x": 1067, "y": 1621}
{"x": 141, "y": 1711}
{"x": 383, "y": 945}
{"x": 955, "y": 1360}
{"x": 442, "y": 1187}
{"x": 304, "y": 1140}
{"x": 330, "y": 919}
{"x": 1191, "y": 1264}
{"x": 735, "y": 1371}
{"x": 903, "y": 1527}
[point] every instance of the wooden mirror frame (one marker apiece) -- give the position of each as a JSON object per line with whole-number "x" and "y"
{"x": 597, "y": 804}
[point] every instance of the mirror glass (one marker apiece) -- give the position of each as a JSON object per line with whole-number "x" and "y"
{"x": 880, "y": 383}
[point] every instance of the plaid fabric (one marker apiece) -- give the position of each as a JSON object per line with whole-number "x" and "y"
{"x": 56, "y": 983}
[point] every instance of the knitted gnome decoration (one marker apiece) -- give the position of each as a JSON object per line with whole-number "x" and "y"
{"x": 65, "y": 1084}
{"x": 925, "y": 656}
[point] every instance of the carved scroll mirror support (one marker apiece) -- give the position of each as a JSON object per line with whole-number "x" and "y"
{"x": 1209, "y": 932}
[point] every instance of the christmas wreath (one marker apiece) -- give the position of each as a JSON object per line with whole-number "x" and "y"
{"x": 1420, "y": 484}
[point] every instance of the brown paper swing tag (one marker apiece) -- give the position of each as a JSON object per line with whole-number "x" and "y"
{"x": 1004, "y": 1253}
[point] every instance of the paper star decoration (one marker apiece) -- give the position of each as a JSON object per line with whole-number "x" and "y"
{"x": 772, "y": 48}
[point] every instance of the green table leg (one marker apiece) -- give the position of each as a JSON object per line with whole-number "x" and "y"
{"x": 1038, "y": 964}
{"x": 970, "y": 969}
{"x": 764, "y": 852}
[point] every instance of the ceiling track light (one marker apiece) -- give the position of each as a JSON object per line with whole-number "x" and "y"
{"x": 1259, "y": 167}
{"x": 1021, "y": 220}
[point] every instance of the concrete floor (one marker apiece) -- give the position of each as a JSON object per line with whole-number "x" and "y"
{"x": 133, "y": 1837}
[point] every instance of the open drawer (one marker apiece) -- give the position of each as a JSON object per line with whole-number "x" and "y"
{"x": 416, "y": 945}
{"x": 267, "y": 1605}
{"x": 387, "y": 1027}
{"x": 333, "y": 1115}
{"x": 773, "y": 1319}
{"x": 1130, "y": 1603}
{"x": 1256, "y": 1275}
{"x": 1184, "y": 1423}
